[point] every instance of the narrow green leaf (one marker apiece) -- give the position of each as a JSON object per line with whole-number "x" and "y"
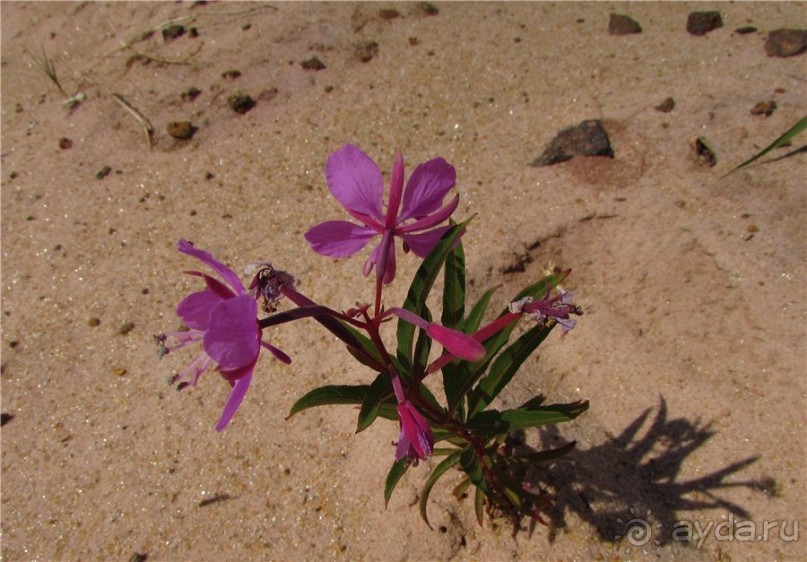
{"x": 395, "y": 474}
{"x": 380, "y": 390}
{"x": 492, "y": 422}
{"x": 474, "y": 319}
{"x": 439, "y": 470}
{"x": 330, "y": 394}
{"x": 479, "y": 506}
{"x": 782, "y": 140}
{"x": 454, "y": 288}
{"x": 506, "y": 366}
{"x": 461, "y": 488}
{"x": 423, "y": 347}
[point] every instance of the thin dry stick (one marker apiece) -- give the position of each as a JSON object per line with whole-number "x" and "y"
{"x": 142, "y": 119}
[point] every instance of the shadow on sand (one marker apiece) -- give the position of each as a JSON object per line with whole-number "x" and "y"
{"x": 631, "y": 479}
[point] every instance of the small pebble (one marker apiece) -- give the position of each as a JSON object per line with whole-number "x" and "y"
{"x": 65, "y": 143}
{"x": 93, "y": 322}
{"x": 786, "y": 42}
{"x": 765, "y": 108}
{"x": 703, "y": 152}
{"x": 240, "y": 102}
{"x": 181, "y": 130}
{"x": 5, "y": 418}
{"x": 701, "y": 23}
{"x": 623, "y": 25}
{"x": 119, "y": 372}
{"x": 313, "y": 64}
{"x": 586, "y": 139}
{"x": 666, "y": 106}
{"x": 746, "y": 29}
{"x": 173, "y": 32}
{"x": 103, "y": 172}
{"x": 366, "y": 50}
{"x": 231, "y": 74}
{"x": 125, "y": 328}
{"x": 190, "y": 94}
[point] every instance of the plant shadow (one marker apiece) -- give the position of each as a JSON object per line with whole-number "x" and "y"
{"x": 631, "y": 478}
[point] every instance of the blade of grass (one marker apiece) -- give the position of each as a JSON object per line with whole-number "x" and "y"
{"x": 784, "y": 139}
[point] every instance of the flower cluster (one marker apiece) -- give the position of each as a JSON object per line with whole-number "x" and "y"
{"x": 477, "y": 360}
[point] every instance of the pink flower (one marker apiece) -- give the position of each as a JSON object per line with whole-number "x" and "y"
{"x": 558, "y": 308}
{"x": 356, "y": 182}
{"x": 455, "y": 342}
{"x": 224, "y": 318}
{"x": 416, "y": 440}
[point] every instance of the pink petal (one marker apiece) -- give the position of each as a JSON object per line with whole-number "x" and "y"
{"x": 356, "y": 181}
{"x": 431, "y": 220}
{"x": 338, "y": 239}
{"x": 233, "y": 338}
{"x": 427, "y": 187}
{"x": 195, "y": 308}
{"x": 237, "y": 394}
{"x": 226, "y": 273}
{"x": 415, "y": 432}
{"x": 423, "y": 244}
{"x": 457, "y": 343}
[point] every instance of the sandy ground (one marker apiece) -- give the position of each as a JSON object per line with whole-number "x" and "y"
{"x": 691, "y": 350}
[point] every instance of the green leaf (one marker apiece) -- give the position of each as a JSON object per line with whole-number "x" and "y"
{"x": 477, "y": 313}
{"x": 421, "y": 285}
{"x": 493, "y": 422}
{"x": 395, "y": 474}
{"x": 506, "y": 366}
{"x": 454, "y": 289}
{"x": 782, "y": 140}
{"x": 479, "y": 505}
{"x": 380, "y": 390}
{"x": 439, "y": 470}
{"x": 423, "y": 347}
{"x": 331, "y": 394}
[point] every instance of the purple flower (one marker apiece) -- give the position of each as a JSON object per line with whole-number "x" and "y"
{"x": 455, "y": 342}
{"x": 416, "y": 440}
{"x": 224, "y": 318}
{"x": 356, "y": 182}
{"x": 558, "y": 308}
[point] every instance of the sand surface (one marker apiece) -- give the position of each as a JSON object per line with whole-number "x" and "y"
{"x": 691, "y": 349}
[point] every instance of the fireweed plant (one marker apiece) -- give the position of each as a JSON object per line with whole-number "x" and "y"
{"x": 476, "y": 362}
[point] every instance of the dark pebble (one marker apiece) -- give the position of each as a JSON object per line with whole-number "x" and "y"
{"x": 190, "y": 94}
{"x": 703, "y": 152}
{"x": 701, "y": 23}
{"x": 366, "y": 50}
{"x": 65, "y": 143}
{"x": 138, "y": 557}
{"x": 745, "y": 30}
{"x": 765, "y": 108}
{"x": 623, "y": 25}
{"x": 173, "y": 32}
{"x": 786, "y": 42}
{"x": 5, "y": 418}
{"x": 388, "y": 14}
{"x": 125, "y": 328}
{"x": 666, "y": 106}
{"x": 427, "y": 8}
{"x": 313, "y": 64}
{"x": 232, "y": 74}
{"x": 182, "y": 130}
{"x": 587, "y": 139}
{"x": 103, "y": 172}
{"x": 241, "y": 102}
{"x": 93, "y": 322}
